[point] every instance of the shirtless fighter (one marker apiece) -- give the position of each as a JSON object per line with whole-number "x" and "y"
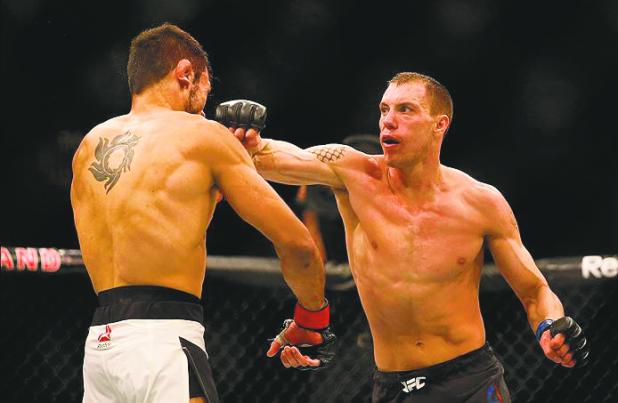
{"x": 144, "y": 190}
{"x": 415, "y": 231}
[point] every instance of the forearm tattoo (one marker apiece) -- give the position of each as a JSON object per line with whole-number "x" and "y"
{"x": 328, "y": 154}
{"x": 108, "y": 171}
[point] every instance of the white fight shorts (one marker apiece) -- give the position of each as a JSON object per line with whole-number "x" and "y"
{"x": 146, "y": 344}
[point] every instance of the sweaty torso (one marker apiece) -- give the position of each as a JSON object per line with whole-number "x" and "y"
{"x": 416, "y": 265}
{"x": 143, "y": 196}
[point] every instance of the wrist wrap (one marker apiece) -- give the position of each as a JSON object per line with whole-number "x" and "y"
{"x": 544, "y": 325}
{"x": 312, "y": 320}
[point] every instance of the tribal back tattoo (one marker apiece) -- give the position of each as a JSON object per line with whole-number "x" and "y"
{"x": 121, "y": 146}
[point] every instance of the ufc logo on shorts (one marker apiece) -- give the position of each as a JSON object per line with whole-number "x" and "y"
{"x": 413, "y": 384}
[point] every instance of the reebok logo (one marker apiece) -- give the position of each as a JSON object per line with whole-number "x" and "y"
{"x": 105, "y": 339}
{"x": 599, "y": 267}
{"x": 414, "y": 384}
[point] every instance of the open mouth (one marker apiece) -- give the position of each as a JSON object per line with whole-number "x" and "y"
{"x": 390, "y": 140}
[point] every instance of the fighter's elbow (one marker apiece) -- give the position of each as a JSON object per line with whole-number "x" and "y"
{"x": 300, "y": 248}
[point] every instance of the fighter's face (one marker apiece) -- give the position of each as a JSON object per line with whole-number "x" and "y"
{"x": 406, "y": 123}
{"x": 198, "y": 93}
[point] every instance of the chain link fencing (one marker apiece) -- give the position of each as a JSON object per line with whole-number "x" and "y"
{"x": 44, "y": 320}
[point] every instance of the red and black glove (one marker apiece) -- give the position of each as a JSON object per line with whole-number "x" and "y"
{"x": 563, "y": 342}
{"x": 307, "y": 335}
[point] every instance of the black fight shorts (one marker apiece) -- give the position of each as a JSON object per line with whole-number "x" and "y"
{"x": 474, "y": 377}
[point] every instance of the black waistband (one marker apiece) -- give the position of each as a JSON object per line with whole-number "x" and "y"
{"x": 133, "y": 293}
{"x": 146, "y": 302}
{"x": 474, "y": 357}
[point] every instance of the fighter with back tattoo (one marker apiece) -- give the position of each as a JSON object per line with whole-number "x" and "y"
{"x": 144, "y": 190}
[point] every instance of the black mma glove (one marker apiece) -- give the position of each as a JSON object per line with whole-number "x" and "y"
{"x": 573, "y": 337}
{"x": 241, "y": 113}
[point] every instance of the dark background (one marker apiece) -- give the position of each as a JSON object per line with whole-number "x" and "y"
{"x": 533, "y": 83}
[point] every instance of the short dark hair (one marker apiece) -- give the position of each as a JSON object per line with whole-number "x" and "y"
{"x": 441, "y": 101}
{"x": 156, "y": 51}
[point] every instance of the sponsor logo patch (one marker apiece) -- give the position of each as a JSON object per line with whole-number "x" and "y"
{"x": 105, "y": 339}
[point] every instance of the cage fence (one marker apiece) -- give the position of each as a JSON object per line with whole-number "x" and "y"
{"x": 45, "y": 314}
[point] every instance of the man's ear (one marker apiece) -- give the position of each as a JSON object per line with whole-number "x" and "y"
{"x": 184, "y": 73}
{"x": 442, "y": 125}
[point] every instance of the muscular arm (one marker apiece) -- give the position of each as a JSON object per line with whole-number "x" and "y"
{"x": 283, "y": 162}
{"x": 259, "y": 205}
{"x": 516, "y": 265}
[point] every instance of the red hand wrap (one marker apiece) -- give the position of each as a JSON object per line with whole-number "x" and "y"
{"x": 314, "y": 320}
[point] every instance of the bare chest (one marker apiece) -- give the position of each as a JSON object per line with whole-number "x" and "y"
{"x": 396, "y": 241}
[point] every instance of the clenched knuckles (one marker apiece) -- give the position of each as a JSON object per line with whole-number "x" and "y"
{"x": 241, "y": 113}
{"x": 563, "y": 342}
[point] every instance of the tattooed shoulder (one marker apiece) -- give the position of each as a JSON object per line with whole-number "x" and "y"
{"x": 108, "y": 170}
{"x": 328, "y": 153}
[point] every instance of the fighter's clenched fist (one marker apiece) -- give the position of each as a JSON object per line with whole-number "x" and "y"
{"x": 563, "y": 342}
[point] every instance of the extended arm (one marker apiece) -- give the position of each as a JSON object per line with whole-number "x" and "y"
{"x": 277, "y": 160}
{"x": 284, "y": 162}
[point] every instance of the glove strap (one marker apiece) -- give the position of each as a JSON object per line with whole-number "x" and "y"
{"x": 312, "y": 320}
{"x": 542, "y": 327}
